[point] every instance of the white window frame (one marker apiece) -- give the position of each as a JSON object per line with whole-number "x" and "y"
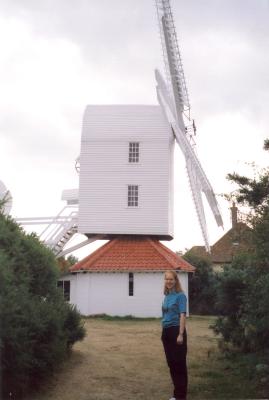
{"x": 132, "y": 196}
{"x": 134, "y": 152}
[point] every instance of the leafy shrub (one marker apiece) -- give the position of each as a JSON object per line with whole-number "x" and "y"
{"x": 202, "y": 286}
{"x": 75, "y": 331}
{"x": 243, "y": 299}
{"x": 244, "y": 288}
{"x": 229, "y": 303}
{"x": 36, "y": 332}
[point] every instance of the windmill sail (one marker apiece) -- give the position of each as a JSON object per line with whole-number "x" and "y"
{"x": 174, "y": 99}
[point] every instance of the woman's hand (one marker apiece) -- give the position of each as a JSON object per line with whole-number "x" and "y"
{"x": 180, "y": 339}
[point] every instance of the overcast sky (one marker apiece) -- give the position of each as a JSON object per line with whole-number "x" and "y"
{"x": 57, "y": 56}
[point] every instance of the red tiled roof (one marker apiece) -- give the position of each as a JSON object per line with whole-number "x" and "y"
{"x": 132, "y": 254}
{"x": 233, "y": 242}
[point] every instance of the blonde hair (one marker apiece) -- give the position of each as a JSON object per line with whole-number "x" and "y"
{"x": 178, "y": 287}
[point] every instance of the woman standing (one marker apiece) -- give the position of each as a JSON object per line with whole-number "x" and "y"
{"x": 174, "y": 335}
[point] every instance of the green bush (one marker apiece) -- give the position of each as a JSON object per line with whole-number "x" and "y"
{"x": 229, "y": 304}
{"x": 243, "y": 294}
{"x": 73, "y": 328}
{"x": 37, "y": 325}
{"x": 242, "y": 302}
{"x": 202, "y": 286}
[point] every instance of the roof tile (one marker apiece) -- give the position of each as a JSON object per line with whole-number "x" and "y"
{"x": 132, "y": 254}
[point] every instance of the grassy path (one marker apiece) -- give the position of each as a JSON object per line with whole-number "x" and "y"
{"x": 124, "y": 360}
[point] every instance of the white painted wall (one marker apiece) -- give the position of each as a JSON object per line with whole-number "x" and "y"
{"x": 107, "y": 293}
{"x": 105, "y": 172}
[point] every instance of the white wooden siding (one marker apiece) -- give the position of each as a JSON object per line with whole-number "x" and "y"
{"x": 108, "y": 293}
{"x": 105, "y": 172}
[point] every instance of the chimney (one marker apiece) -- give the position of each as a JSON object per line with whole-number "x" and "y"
{"x": 234, "y": 210}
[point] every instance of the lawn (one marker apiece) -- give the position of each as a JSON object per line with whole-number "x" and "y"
{"x": 123, "y": 359}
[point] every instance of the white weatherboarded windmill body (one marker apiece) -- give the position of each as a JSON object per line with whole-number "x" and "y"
{"x": 126, "y": 195}
{"x": 126, "y": 172}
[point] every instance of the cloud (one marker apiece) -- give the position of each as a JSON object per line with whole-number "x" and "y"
{"x": 103, "y": 29}
{"x": 224, "y": 48}
{"x": 58, "y": 56}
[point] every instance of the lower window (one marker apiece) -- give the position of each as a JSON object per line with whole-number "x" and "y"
{"x": 65, "y": 287}
{"x": 131, "y": 284}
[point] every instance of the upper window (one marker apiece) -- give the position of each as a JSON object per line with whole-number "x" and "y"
{"x": 133, "y": 152}
{"x": 132, "y": 195}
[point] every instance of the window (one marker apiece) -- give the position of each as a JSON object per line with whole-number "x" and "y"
{"x": 64, "y": 286}
{"x": 132, "y": 195}
{"x": 133, "y": 152}
{"x": 131, "y": 284}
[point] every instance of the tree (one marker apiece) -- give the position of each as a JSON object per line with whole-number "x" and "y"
{"x": 65, "y": 263}
{"x": 202, "y": 286}
{"x": 266, "y": 144}
{"x": 37, "y": 325}
{"x": 243, "y": 290}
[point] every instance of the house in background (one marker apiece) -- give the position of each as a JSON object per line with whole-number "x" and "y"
{"x": 124, "y": 277}
{"x": 237, "y": 240}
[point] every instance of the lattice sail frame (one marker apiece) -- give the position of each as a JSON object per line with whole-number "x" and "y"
{"x": 164, "y": 10}
{"x": 174, "y": 99}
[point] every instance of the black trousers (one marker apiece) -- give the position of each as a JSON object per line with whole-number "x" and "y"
{"x": 176, "y": 360}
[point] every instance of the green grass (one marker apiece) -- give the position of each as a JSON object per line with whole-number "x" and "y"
{"x": 106, "y": 317}
{"x": 122, "y": 358}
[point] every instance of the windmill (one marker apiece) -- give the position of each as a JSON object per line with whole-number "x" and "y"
{"x": 126, "y": 163}
{"x": 174, "y": 100}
